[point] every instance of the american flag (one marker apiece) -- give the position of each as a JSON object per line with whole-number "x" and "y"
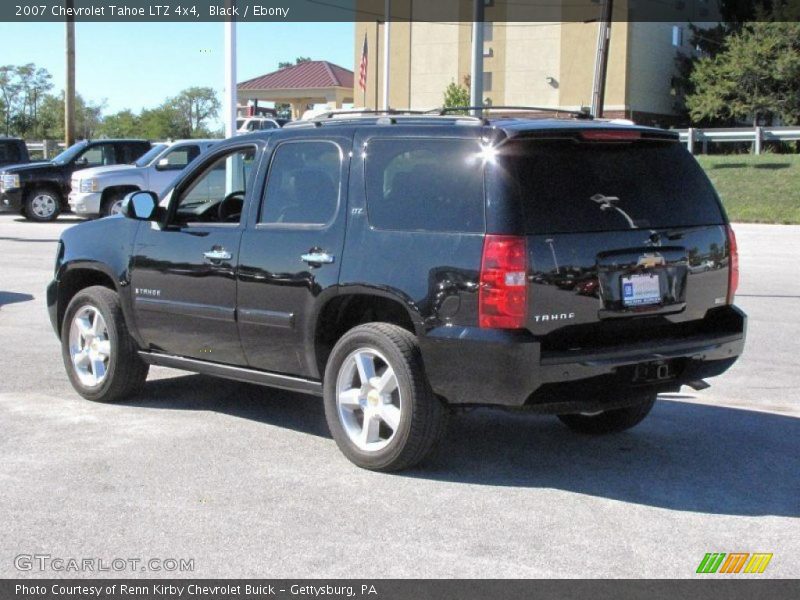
{"x": 362, "y": 70}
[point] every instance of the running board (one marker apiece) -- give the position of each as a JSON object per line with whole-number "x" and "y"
{"x": 284, "y": 382}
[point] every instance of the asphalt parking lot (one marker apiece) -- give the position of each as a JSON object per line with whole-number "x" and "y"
{"x": 247, "y": 482}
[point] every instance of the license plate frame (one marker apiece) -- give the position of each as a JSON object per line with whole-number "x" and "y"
{"x": 640, "y": 289}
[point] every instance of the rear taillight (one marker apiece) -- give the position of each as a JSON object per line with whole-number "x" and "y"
{"x": 503, "y": 296}
{"x": 733, "y": 265}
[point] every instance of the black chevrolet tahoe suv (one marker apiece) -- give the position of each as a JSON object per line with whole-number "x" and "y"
{"x": 40, "y": 190}
{"x": 402, "y": 265}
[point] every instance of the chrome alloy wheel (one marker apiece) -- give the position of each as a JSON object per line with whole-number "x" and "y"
{"x": 116, "y": 207}
{"x": 89, "y": 346}
{"x": 368, "y": 399}
{"x": 43, "y": 206}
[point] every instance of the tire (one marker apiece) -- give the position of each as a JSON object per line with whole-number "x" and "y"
{"x": 610, "y": 421}
{"x": 42, "y": 205}
{"x": 112, "y": 204}
{"x": 111, "y": 368}
{"x": 406, "y": 419}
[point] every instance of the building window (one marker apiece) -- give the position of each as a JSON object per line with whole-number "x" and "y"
{"x": 677, "y": 36}
{"x": 488, "y": 31}
{"x": 487, "y": 81}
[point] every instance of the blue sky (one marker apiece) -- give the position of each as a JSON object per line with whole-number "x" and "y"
{"x": 138, "y": 65}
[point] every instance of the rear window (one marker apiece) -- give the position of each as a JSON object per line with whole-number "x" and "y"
{"x": 425, "y": 185}
{"x": 567, "y": 186}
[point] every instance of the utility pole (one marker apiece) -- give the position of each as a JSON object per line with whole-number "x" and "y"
{"x": 601, "y": 61}
{"x": 69, "y": 87}
{"x": 386, "y": 51}
{"x": 476, "y": 80}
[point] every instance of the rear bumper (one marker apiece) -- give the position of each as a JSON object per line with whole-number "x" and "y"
{"x": 508, "y": 368}
{"x": 11, "y": 200}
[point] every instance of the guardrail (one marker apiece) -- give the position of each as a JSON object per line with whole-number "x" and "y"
{"x": 754, "y": 135}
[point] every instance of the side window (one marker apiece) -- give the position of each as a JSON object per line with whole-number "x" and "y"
{"x": 216, "y": 194}
{"x": 182, "y": 155}
{"x": 303, "y": 184}
{"x": 98, "y": 155}
{"x": 425, "y": 185}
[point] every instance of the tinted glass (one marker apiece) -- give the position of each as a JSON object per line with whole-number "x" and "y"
{"x": 99, "y": 155}
{"x": 216, "y": 195}
{"x": 145, "y": 158}
{"x": 9, "y": 152}
{"x": 182, "y": 155}
{"x": 425, "y": 185}
{"x": 303, "y": 184}
{"x": 566, "y": 186}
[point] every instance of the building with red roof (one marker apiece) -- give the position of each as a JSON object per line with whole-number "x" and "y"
{"x": 301, "y": 86}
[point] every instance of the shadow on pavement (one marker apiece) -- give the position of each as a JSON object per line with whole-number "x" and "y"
{"x": 26, "y": 240}
{"x": 684, "y": 456}
{"x": 13, "y": 298}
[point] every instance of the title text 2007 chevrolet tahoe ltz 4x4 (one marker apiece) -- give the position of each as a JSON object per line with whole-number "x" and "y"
{"x": 399, "y": 265}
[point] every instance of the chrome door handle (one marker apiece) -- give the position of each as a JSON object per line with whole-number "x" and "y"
{"x": 317, "y": 258}
{"x": 217, "y": 254}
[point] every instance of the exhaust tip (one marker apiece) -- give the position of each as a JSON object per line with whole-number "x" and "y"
{"x": 699, "y": 385}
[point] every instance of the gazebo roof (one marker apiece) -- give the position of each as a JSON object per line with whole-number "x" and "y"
{"x": 313, "y": 74}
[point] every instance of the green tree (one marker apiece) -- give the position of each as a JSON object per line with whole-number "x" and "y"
{"x": 9, "y": 92}
{"x": 121, "y": 125}
{"x": 297, "y": 61}
{"x": 456, "y": 95}
{"x": 755, "y": 76}
{"x": 50, "y": 122}
{"x": 196, "y": 106}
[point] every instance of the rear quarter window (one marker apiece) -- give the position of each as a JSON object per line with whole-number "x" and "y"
{"x": 566, "y": 186}
{"x": 425, "y": 185}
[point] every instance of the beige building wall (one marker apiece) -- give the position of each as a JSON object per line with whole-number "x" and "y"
{"x": 532, "y": 64}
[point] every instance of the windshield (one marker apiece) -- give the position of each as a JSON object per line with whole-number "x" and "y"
{"x": 566, "y": 186}
{"x": 151, "y": 154}
{"x": 70, "y": 153}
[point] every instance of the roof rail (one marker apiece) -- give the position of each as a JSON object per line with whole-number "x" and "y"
{"x": 365, "y": 111}
{"x": 578, "y": 114}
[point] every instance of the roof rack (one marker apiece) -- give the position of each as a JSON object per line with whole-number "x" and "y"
{"x": 383, "y": 116}
{"x": 578, "y": 114}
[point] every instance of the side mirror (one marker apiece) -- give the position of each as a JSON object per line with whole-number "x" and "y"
{"x": 81, "y": 162}
{"x": 140, "y": 206}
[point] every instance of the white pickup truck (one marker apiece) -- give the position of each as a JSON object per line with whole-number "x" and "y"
{"x": 99, "y": 191}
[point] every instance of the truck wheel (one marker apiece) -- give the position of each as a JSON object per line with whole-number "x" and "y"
{"x": 610, "y": 421}
{"x": 99, "y": 354}
{"x": 42, "y": 204}
{"x": 113, "y": 204}
{"x": 378, "y": 403}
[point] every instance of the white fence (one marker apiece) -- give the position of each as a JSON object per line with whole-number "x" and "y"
{"x": 48, "y": 148}
{"x": 754, "y": 135}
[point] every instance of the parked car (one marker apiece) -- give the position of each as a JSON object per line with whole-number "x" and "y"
{"x": 100, "y": 190}
{"x": 39, "y": 190}
{"x": 251, "y": 124}
{"x": 395, "y": 265}
{"x": 13, "y": 151}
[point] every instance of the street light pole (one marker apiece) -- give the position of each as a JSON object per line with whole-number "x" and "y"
{"x": 476, "y": 79}
{"x": 229, "y": 101}
{"x": 386, "y": 54}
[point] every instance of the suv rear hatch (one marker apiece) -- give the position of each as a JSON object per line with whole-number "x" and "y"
{"x": 626, "y": 239}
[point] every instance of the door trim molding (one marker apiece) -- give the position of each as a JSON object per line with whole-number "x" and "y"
{"x": 188, "y": 309}
{"x": 266, "y": 318}
{"x": 276, "y": 380}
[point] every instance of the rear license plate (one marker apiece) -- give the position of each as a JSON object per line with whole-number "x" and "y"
{"x": 641, "y": 290}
